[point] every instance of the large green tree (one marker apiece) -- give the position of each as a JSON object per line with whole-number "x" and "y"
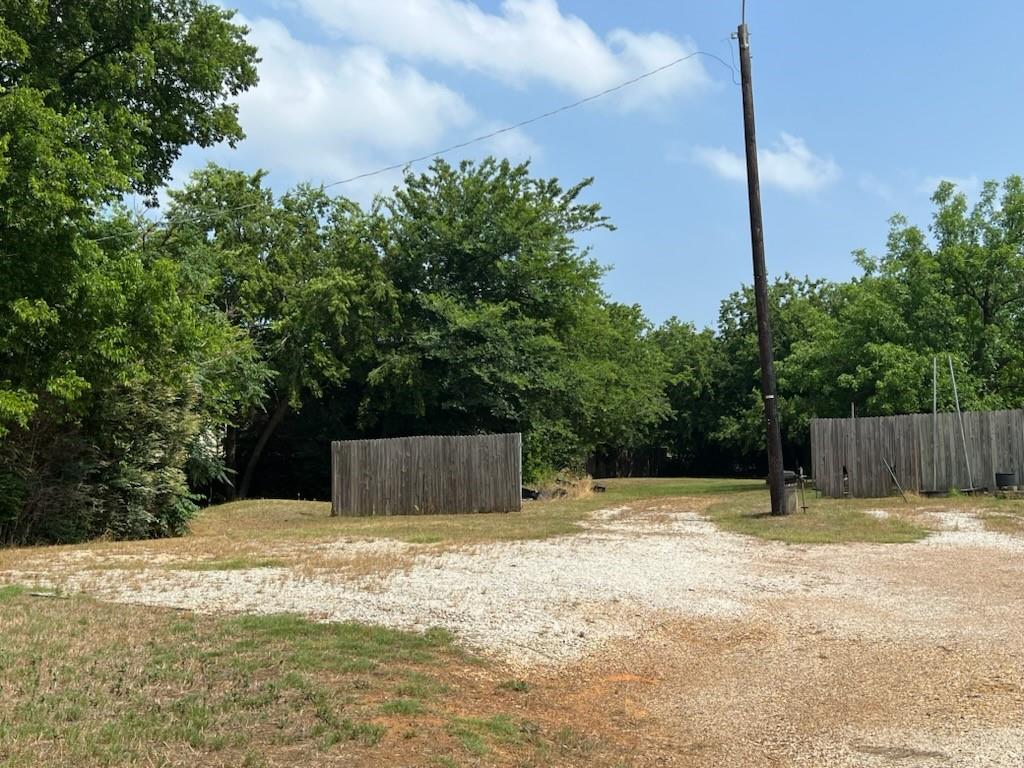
{"x": 96, "y": 100}
{"x": 299, "y": 276}
{"x": 953, "y": 290}
{"x": 502, "y": 321}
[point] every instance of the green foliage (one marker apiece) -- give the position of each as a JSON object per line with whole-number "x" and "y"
{"x": 869, "y": 341}
{"x": 105, "y": 355}
{"x": 220, "y": 351}
{"x": 298, "y": 277}
{"x": 135, "y": 80}
{"x": 693, "y": 358}
{"x": 502, "y": 322}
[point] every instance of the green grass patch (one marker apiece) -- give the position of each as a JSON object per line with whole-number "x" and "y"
{"x": 11, "y": 591}
{"x": 826, "y": 521}
{"x": 418, "y": 685}
{"x": 627, "y": 489}
{"x": 402, "y": 707}
{"x": 476, "y": 735}
{"x": 142, "y": 686}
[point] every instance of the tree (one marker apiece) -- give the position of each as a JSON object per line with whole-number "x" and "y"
{"x": 136, "y": 79}
{"x": 96, "y": 100}
{"x": 502, "y": 322}
{"x": 692, "y": 359}
{"x": 957, "y": 294}
{"x": 797, "y": 308}
{"x": 299, "y": 276}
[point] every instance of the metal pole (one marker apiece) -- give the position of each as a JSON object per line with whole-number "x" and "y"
{"x": 776, "y": 481}
{"x": 963, "y": 435}
{"x": 892, "y": 474}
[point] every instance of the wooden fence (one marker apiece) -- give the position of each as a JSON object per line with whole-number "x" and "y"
{"x": 926, "y": 453}
{"x": 427, "y": 475}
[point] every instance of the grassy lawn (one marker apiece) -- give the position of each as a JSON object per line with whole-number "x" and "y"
{"x": 300, "y": 534}
{"x": 538, "y": 520}
{"x": 87, "y": 683}
{"x": 263, "y": 533}
{"x": 826, "y": 521}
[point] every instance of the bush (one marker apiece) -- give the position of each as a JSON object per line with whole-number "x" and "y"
{"x": 118, "y": 472}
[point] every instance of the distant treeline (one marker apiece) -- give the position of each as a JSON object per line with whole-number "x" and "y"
{"x": 146, "y": 367}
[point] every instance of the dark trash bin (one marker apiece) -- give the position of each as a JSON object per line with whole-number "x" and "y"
{"x": 1006, "y": 481}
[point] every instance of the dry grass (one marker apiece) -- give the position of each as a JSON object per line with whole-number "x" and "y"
{"x": 88, "y": 683}
{"x": 567, "y": 485}
{"x": 1010, "y": 522}
{"x": 302, "y": 535}
{"x": 828, "y": 521}
{"x": 85, "y": 683}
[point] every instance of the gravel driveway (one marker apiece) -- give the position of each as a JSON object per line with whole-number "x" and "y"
{"x": 735, "y": 651}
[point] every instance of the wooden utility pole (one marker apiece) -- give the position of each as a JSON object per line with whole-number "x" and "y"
{"x": 776, "y": 479}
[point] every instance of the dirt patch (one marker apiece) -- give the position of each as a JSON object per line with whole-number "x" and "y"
{"x": 737, "y": 692}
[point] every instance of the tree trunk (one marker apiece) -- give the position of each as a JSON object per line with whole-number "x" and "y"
{"x": 257, "y": 450}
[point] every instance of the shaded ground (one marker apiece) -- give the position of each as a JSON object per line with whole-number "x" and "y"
{"x": 655, "y": 638}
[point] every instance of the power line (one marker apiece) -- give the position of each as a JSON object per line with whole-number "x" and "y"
{"x": 537, "y": 118}
{"x": 468, "y": 142}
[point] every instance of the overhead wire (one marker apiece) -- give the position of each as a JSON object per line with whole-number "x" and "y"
{"x": 461, "y": 144}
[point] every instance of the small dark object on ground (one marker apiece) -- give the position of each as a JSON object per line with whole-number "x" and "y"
{"x": 789, "y": 477}
{"x": 1006, "y": 481}
{"x": 598, "y": 488}
{"x": 529, "y": 493}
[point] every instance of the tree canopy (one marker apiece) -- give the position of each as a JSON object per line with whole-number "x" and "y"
{"x": 146, "y": 366}
{"x": 104, "y": 353}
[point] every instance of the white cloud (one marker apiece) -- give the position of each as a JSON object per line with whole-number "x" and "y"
{"x": 789, "y": 165}
{"x": 323, "y": 114}
{"x": 969, "y": 185}
{"x": 327, "y": 114}
{"x": 529, "y": 40}
{"x": 516, "y": 145}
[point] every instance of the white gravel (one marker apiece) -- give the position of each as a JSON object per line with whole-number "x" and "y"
{"x": 553, "y": 601}
{"x": 861, "y": 622}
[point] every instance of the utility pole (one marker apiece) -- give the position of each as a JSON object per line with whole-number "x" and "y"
{"x": 776, "y": 480}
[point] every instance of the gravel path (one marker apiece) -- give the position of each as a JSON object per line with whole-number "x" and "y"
{"x": 554, "y": 601}
{"x": 684, "y": 645}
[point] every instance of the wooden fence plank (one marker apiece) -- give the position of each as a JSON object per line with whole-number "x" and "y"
{"x": 427, "y": 475}
{"x": 923, "y": 451}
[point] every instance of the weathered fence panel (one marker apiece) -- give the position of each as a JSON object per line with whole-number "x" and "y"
{"x": 427, "y": 475}
{"x": 926, "y": 451}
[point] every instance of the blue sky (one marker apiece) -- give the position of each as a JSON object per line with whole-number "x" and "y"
{"x": 861, "y": 107}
